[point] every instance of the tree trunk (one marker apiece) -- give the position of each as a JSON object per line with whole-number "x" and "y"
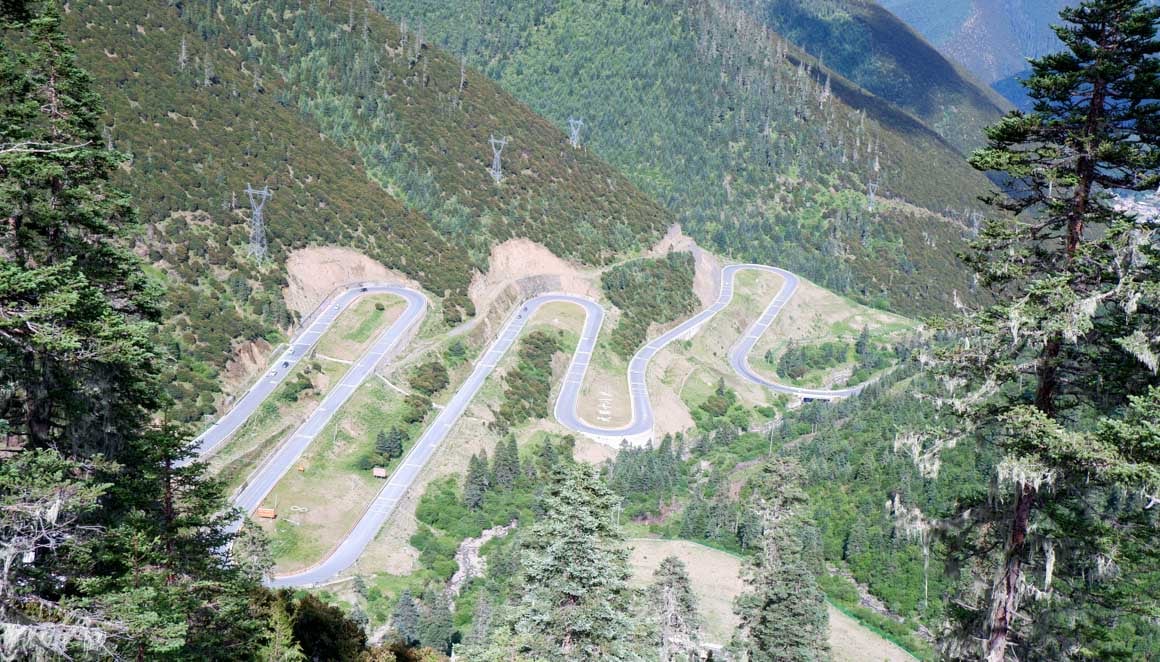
{"x": 169, "y": 515}
{"x": 1048, "y": 376}
{"x": 1005, "y": 598}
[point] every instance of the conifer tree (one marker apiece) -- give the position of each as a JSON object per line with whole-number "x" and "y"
{"x": 390, "y": 444}
{"x": 280, "y": 644}
{"x": 476, "y": 482}
{"x": 405, "y": 619}
{"x": 325, "y": 632}
{"x": 862, "y": 344}
{"x": 80, "y": 369}
{"x": 81, "y": 383}
{"x": 672, "y": 601}
{"x": 783, "y": 616}
{"x": 481, "y": 622}
{"x": 506, "y": 466}
{"x": 436, "y": 627}
{"x": 575, "y": 600}
{"x": 1072, "y": 335}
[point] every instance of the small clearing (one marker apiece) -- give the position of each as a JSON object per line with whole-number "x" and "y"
{"x": 815, "y": 314}
{"x": 715, "y": 576}
{"x": 690, "y": 370}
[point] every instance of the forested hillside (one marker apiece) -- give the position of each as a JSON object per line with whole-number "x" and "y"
{"x": 763, "y": 153}
{"x": 873, "y": 48}
{"x": 991, "y": 38}
{"x": 378, "y": 142}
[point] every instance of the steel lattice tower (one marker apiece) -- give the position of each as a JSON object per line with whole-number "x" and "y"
{"x": 258, "y": 199}
{"x": 497, "y": 145}
{"x": 574, "y": 125}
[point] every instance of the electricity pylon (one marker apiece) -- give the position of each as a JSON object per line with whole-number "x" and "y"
{"x": 258, "y": 198}
{"x": 574, "y": 125}
{"x": 497, "y": 145}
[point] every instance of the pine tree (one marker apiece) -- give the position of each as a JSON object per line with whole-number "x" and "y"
{"x": 43, "y": 497}
{"x": 280, "y": 644}
{"x": 476, "y": 483}
{"x": 82, "y": 381}
{"x": 1077, "y": 296}
{"x": 862, "y": 344}
{"x": 436, "y": 628}
{"x": 80, "y": 368}
{"x": 575, "y": 601}
{"x": 390, "y": 444}
{"x": 481, "y": 622}
{"x": 405, "y": 619}
{"x": 325, "y": 631}
{"x": 783, "y": 616}
{"x": 506, "y": 466}
{"x": 671, "y": 599}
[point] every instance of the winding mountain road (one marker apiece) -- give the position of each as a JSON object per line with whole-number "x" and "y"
{"x": 638, "y": 430}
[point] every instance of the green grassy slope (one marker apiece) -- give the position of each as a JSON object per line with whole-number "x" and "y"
{"x": 876, "y": 50}
{"x": 207, "y": 102}
{"x": 732, "y": 129}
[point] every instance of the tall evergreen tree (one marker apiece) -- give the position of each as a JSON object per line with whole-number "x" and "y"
{"x": 43, "y": 498}
{"x": 672, "y": 601}
{"x": 1072, "y": 335}
{"x": 575, "y": 600}
{"x": 158, "y": 565}
{"x": 325, "y": 632}
{"x": 476, "y": 482}
{"x": 481, "y": 622}
{"x": 81, "y": 385}
{"x": 783, "y": 616}
{"x": 405, "y": 619}
{"x": 80, "y": 370}
{"x": 280, "y": 644}
{"x": 436, "y": 627}
{"x": 506, "y": 466}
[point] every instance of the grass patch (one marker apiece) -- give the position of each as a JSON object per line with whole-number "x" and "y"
{"x": 352, "y": 331}
{"x": 278, "y": 415}
{"x": 330, "y": 492}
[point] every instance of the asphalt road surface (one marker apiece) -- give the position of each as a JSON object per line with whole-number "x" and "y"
{"x": 265, "y": 477}
{"x": 300, "y": 346}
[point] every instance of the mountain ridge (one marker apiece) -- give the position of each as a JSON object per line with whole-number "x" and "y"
{"x": 734, "y": 129}
{"x": 202, "y": 117}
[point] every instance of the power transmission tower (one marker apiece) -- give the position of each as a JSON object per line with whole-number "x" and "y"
{"x": 497, "y": 145}
{"x": 872, "y": 188}
{"x": 574, "y": 125}
{"x": 258, "y": 199}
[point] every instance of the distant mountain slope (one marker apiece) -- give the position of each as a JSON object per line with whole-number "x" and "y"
{"x": 881, "y": 53}
{"x": 990, "y": 38}
{"x": 762, "y": 153}
{"x": 205, "y": 101}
